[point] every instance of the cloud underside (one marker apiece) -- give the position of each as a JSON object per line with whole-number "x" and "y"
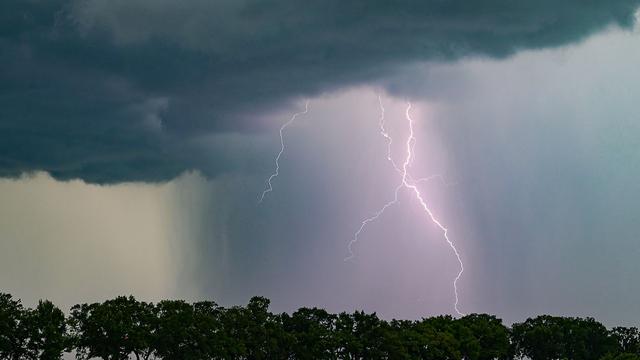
{"x": 113, "y": 91}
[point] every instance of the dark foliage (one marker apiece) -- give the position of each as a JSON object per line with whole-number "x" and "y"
{"x": 124, "y": 328}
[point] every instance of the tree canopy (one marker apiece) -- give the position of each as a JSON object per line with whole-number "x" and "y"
{"x": 124, "y": 328}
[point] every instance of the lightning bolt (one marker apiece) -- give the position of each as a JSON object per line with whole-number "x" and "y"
{"x": 389, "y": 139}
{"x": 411, "y": 139}
{"x": 366, "y": 221}
{"x": 410, "y": 184}
{"x": 276, "y": 172}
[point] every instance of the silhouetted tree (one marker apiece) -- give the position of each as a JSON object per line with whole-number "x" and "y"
{"x": 175, "y": 336}
{"x": 113, "y": 330}
{"x": 393, "y": 345}
{"x": 265, "y": 337}
{"x": 402, "y": 341}
{"x": 211, "y": 336}
{"x": 438, "y": 339}
{"x": 490, "y": 337}
{"x": 360, "y": 336}
{"x": 551, "y": 337}
{"x": 313, "y": 334}
{"x": 45, "y": 329}
{"x": 187, "y": 331}
{"x": 123, "y": 328}
{"x": 628, "y": 339}
{"x": 12, "y": 331}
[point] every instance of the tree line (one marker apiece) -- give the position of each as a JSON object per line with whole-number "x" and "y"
{"x": 124, "y": 328}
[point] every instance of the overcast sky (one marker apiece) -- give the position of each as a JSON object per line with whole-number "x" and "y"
{"x": 136, "y": 138}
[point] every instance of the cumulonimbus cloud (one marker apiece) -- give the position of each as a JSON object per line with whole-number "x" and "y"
{"x": 112, "y": 91}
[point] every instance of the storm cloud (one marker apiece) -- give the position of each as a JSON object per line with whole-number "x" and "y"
{"x": 113, "y": 91}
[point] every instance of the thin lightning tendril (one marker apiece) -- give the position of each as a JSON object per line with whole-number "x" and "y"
{"x": 411, "y": 139}
{"x": 276, "y": 172}
{"x": 366, "y": 221}
{"x": 385, "y": 134}
{"x": 377, "y": 214}
{"x": 409, "y": 183}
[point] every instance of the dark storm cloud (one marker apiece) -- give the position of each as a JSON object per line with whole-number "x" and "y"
{"x": 111, "y": 91}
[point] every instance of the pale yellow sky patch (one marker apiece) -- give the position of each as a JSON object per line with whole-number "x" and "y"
{"x": 75, "y": 242}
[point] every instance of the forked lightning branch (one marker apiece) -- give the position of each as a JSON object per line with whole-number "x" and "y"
{"x": 405, "y": 182}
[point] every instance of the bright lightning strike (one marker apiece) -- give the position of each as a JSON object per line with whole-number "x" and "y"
{"x": 411, "y": 185}
{"x": 411, "y": 139}
{"x": 385, "y": 134}
{"x": 276, "y": 172}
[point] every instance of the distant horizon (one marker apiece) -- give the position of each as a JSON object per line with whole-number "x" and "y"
{"x": 289, "y": 312}
{"x": 123, "y": 326}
